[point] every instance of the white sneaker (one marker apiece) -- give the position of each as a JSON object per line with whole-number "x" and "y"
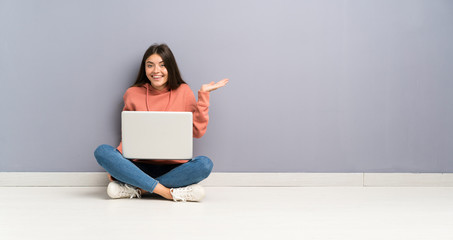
{"x": 121, "y": 190}
{"x": 192, "y": 193}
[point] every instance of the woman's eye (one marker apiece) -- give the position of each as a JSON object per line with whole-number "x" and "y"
{"x": 150, "y": 66}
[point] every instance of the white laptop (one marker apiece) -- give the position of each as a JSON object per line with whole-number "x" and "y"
{"x": 157, "y": 135}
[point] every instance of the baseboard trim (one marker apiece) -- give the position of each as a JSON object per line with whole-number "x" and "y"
{"x": 53, "y": 179}
{"x": 284, "y": 179}
{"x": 222, "y": 179}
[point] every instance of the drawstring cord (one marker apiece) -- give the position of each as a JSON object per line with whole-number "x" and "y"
{"x": 147, "y": 108}
{"x": 168, "y": 104}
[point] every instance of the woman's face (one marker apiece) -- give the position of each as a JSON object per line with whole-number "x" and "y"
{"x": 156, "y": 71}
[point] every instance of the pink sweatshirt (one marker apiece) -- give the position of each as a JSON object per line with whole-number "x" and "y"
{"x": 147, "y": 98}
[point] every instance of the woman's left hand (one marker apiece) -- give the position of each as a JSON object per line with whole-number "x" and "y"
{"x": 213, "y": 86}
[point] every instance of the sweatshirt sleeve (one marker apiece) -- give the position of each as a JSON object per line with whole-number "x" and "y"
{"x": 200, "y": 112}
{"x": 128, "y": 106}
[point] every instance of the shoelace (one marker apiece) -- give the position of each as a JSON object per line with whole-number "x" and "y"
{"x": 131, "y": 191}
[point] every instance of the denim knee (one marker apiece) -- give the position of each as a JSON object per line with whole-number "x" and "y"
{"x": 101, "y": 152}
{"x": 206, "y": 165}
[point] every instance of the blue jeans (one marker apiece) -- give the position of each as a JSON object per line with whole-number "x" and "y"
{"x": 147, "y": 176}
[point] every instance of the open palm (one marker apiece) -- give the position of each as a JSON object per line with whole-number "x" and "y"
{"x": 213, "y": 86}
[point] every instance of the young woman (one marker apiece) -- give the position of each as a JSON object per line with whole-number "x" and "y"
{"x": 159, "y": 87}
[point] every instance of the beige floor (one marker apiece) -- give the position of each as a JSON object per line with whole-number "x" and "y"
{"x": 230, "y": 213}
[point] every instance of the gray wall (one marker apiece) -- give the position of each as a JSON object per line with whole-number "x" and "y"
{"x": 316, "y": 86}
